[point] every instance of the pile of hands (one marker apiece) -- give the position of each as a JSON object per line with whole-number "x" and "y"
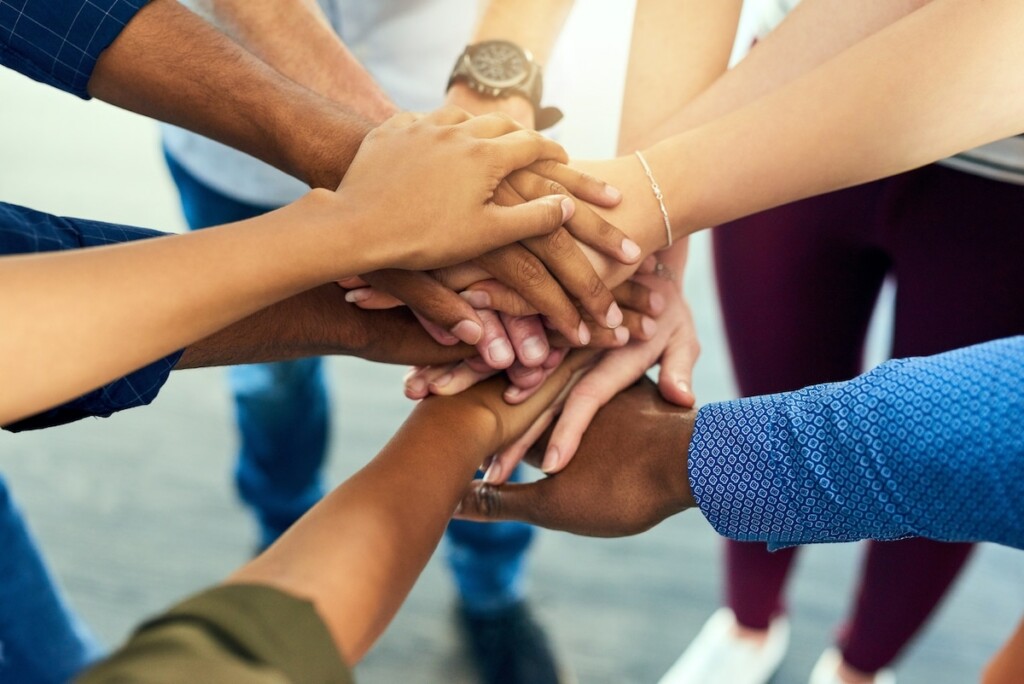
{"x": 523, "y": 306}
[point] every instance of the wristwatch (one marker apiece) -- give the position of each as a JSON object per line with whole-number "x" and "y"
{"x": 499, "y": 68}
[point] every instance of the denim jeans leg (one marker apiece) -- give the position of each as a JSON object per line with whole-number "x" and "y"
{"x": 488, "y": 562}
{"x": 283, "y": 415}
{"x": 41, "y": 640}
{"x": 282, "y": 409}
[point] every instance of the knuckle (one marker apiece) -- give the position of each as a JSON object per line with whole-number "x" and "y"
{"x": 555, "y": 188}
{"x": 488, "y": 501}
{"x": 595, "y": 288}
{"x": 530, "y": 273}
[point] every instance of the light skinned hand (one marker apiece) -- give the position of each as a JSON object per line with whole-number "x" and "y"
{"x": 674, "y": 344}
{"x": 630, "y": 473}
{"x": 426, "y": 185}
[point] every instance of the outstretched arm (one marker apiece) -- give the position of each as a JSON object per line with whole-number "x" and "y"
{"x": 348, "y": 564}
{"x": 140, "y": 301}
{"x": 918, "y": 447}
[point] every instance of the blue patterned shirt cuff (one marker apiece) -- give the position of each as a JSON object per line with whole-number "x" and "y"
{"x": 26, "y": 231}
{"x": 58, "y": 42}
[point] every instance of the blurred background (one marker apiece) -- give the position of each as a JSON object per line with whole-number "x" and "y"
{"x": 138, "y": 510}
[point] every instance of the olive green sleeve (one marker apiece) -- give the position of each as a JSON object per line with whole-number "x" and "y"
{"x": 244, "y": 634}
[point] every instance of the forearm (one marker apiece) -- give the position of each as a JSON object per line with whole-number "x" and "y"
{"x": 678, "y": 48}
{"x": 927, "y": 447}
{"x": 220, "y": 90}
{"x": 370, "y": 543}
{"x": 915, "y": 92}
{"x": 320, "y": 322}
{"x": 296, "y": 39}
{"x": 813, "y": 33}
{"x": 122, "y": 316}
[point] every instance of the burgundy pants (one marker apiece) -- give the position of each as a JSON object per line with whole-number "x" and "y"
{"x": 798, "y": 285}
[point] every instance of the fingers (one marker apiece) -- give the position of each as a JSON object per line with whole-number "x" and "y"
{"x": 513, "y": 151}
{"x": 675, "y": 379}
{"x": 372, "y": 299}
{"x": 448, "y": 115}
{"x": 494, "y": 346}
{"x": 492, "y": 294}
{"x": 523, "y": 502}
{"x": 581, "y": 185}
{"x": 431, "y": 301}
{"x": 639, "y": 297}
{"x": 531, "y": 219}
{"x": 504, "y": 463}
{"x": 520, "y": 270}
{"x": 617, "y": 370}
{"x": 567, "y": 262}
{"x": 585, "y": 224}
{"x": 528, "y": 338}
{"x": 491, "y": 125}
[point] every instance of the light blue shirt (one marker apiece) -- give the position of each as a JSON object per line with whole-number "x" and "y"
{"x": 930, "y": 447}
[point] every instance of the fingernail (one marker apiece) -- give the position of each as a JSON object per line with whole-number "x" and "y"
{"x": 512, "y": 393}
{"x": 568, "y": 208}
{"x": 500, "y": 351}
{"x": 649, "y": 326}
{"x": 442, "y": 381}
{"x": 612, "y": 193}
{"x": 683, "y": 386}
{"x": 493, "y": 472}
{"x": 477, "y": 299}
{"x": 534, "y": 348}
{"x": 550, "y": 459}
{"x": 584, "y": 333}
{"x": 614, "y": 316}
{"x": 657, "y": 302}
{"x": 630, "y": 249}
{"x": 356, "y": 296}
{"x": 416, "y": 387}
{"x": 621, "y": 335}
{"x": 468, "y": 331}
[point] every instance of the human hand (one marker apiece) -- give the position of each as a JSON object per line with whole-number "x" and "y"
{"x": 674, "y": 343}
{"x": 440, "y": 173}
{"x": 630, "y": 474}
{"x": 641, "y": 308}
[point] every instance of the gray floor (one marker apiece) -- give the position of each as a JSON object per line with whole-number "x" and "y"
{"x": 137, "y": 510}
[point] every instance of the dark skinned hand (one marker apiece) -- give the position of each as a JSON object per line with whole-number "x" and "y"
{"x": 629, "y": 474}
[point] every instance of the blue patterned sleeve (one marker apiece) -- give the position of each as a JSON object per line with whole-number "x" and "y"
{"x": 57, "y": 42}
{"x": 929, "y": 447}
{"x": 24, "y": 231}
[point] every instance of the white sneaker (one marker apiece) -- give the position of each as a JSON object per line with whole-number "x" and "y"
{"x": 826, "y": 670}
{"x": 718, "y": 656}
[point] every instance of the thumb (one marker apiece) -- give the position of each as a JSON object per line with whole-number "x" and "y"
{"x": 491, "y": 503}
{"x": 530, "y": 219}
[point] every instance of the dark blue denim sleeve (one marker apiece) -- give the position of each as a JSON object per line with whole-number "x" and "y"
{"x": 929, "y": 447}
{"x": 57, "y": 42}
{"x": 25, "y": 231}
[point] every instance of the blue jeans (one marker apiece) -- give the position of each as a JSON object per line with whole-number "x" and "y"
{"x": 41, "y": 640}
{"x": 283, "y": 415}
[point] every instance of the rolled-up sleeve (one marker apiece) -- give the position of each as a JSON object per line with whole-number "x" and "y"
{"x": 24, "y": 231}
{"x": 928, "y": 447}
{"x": 57, "y": 42}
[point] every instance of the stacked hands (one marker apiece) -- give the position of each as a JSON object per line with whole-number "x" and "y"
{"x": 519, "y": 307}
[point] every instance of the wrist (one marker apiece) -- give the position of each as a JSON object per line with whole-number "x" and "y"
{"x": 332, "y": 235}
{"x": 322, "y": 145}
{"x": 515, "y": 105}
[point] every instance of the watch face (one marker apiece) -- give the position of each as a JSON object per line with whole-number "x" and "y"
{"x": 498, "y": 63}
